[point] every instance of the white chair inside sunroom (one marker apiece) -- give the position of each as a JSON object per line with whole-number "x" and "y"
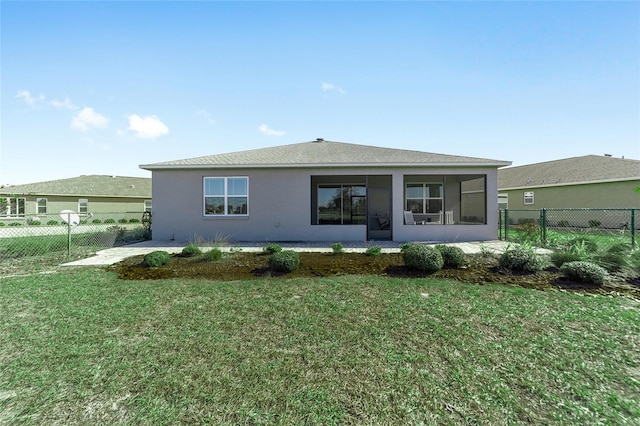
{"x": 449, "y": 217}
{"x": 409, "y": 219}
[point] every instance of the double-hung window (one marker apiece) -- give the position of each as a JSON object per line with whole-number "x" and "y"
{"x": 226, "y": 196}
{"x": 528, "y": 198}
{"x": 83, "y": 205}
{"x": 41, "y": 206}
{"x": 424, "y": 197}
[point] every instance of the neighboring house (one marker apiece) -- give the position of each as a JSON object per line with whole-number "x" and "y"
{"x": 84, "y": 195}
{"x": 590, "y": 181}
{"x": 326, "y": 191}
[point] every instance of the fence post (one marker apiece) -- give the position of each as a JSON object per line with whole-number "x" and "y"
{"x": 506, "y": 224}
{"x": 68, "y": 235}
{"x": 543, "y": 225}
{"x": 500, "y": 224}
{"x": 633, "y": 228}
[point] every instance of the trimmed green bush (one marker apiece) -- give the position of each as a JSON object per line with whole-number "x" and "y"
{"x": 15, "y": 224}
{"x": 109, "y": 221}
{"x": 584, "y": 272}
{"x": 2, "y": 224}
{"x": 123, "y": 220}
{"x": 521, "y": 258}
{"x": 423, "y": 258}
{"x": 157, "y": 258}
{"x": 34, "y": 223}
{"x": 284, "y": 261}
{"x": 373, "y": 251}
{"x": 453, "y": 256}
{"x": 96, "y": 221}
{"x": 53, "y": 222}
{"x": 272, "y": 248}
{"x": 559, "y": 258}
{"x": 191, "y": 250}
{"x": 134, "y": 220}
{"x": 213, "y": 255}
{"x": 337, "y": 248}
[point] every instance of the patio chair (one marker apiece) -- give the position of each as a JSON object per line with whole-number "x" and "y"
{"x": 409, "y": 220}
{"x": 449, "y": 217}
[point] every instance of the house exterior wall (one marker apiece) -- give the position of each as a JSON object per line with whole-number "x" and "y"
{"x": 55, "y": 204}
{"x": 596, "y": 195}
{"x": 280, "y": 203}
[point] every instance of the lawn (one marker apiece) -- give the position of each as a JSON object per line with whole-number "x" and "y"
{"x": 79, "y": 346}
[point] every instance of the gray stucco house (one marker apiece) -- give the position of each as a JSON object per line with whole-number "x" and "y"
{"x": 326, "y": 191}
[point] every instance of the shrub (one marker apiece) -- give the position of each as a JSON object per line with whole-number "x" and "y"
{"x": 109, "y": 221}
{"x": 213, "y": 255}
{"x": 583, "y": 244}
{"x": 34, "y": 223}
{"x": 123, "y": 220}
{"x": 2, "y": 224}
{"x": 337, "y": 248}
{"x": 134, "y": 220}
{"x": 157, "y": 258}
{"x": 521, "y": 258}
{"x": 191, "y": 250}
{"x": 15, "y": 224}
{"x": 584, "y": 272}
{"x": 96, "y": 221}
{"x": 284, "y": 261}
{"x": 52, "y": 222}
{"x": 272, "y": 248}
{"x": 405, "y": 246}
{"x": 423, "y": 258}
{"x": 453, "y": 257}
{"x": 373, "y": 251}
{"x": 558, "y": 258}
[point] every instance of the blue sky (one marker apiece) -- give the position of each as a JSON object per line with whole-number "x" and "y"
{"x": 102, "y": 87}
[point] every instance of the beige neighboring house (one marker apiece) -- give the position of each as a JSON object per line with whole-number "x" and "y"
{"x": 326, "y": 191}
{"x": 89, "y": 194}
{"x": 590, "y": 181}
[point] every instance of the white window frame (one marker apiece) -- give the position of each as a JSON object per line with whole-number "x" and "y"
{"x": 38, "y": 206}
{"x": 528, "y": 198}
{"x": 16, "y": 202}
{"x": 83, "y": 205}
{"x": 226, "y": 196}
{"x": 424, "y": 198}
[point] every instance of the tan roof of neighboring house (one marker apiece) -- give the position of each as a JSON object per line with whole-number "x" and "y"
{"x": 86, "y": 185}
{"x": 321, "y": 153}
{"x": 575, "y": 170}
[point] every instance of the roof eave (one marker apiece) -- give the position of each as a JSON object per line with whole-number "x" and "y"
{"x": 629, "y": 179}
{"x": 316, "y": 165}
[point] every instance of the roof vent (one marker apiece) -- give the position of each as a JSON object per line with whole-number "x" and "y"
{"x": 608, "y": 155}
{"x": 319, "y": 140}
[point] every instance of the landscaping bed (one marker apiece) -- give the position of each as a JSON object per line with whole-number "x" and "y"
{"x": 479, "y": 269}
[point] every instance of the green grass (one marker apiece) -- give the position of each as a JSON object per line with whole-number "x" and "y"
{"x": 81, "y": 347}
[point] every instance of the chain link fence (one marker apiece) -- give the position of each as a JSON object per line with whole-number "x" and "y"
{"x": 68, "y": 232}
{"x": 552, "y": 227}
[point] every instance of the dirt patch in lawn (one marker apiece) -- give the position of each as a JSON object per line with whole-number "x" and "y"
{"x": 479, "y": 269}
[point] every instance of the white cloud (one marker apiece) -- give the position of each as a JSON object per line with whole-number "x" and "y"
{"x": 87, "y": 119}
{"x": 30, "y": 100}
{"x": 147, "y": 127}
{"x": 265, "y": 130}
{"x": 330, "y": 87}
{"x": 63, "y": 104}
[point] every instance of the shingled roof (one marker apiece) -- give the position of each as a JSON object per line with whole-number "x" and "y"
{"x": 88, "y": 185}
{"x": 321, "y": 153}
{"x": 569, "y": 171}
